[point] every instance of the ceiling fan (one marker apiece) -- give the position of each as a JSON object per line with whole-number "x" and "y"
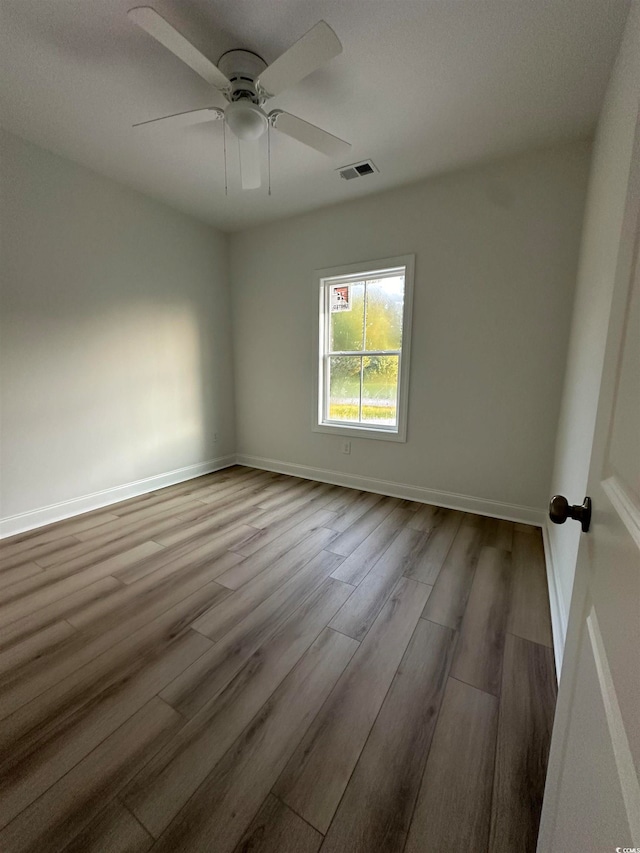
{"x": 244, "y": 81}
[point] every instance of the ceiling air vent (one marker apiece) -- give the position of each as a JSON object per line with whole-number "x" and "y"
{"x": 357, "y": 170}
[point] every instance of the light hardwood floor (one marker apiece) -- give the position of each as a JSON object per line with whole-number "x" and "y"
{"x": 254, "y": 662}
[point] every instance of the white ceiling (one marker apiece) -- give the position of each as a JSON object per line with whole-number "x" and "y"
{"x": 422, "y": 86}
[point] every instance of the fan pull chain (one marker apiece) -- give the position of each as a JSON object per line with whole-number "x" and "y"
{"x": 269, "y": 154}
{"x": 224, "y": 143}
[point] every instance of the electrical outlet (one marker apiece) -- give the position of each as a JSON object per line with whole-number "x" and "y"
{"x": 346, "y": 447}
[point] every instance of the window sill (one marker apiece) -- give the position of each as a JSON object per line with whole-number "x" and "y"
{"x": 360, "y": 432}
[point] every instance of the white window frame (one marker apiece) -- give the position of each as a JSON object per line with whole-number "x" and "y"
{"x": 355, "y": 272}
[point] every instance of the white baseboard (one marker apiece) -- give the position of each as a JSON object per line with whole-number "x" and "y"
{"x": 24, "y": 521}
{"x": 450, "y": 500}
{"x": 559, "y": 614}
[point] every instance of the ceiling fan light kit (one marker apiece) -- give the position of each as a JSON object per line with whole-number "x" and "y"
{"x": 246, "y": 120}
{"x": 245, "y": 82}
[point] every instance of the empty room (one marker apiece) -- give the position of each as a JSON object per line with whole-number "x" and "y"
{"x": 319, "y": 426}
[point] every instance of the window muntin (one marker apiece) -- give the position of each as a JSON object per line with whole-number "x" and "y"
{"x": 363, "y": 318}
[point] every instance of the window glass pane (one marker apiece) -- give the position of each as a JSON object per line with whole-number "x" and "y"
{"x": 380, "y": 390}
{"x": 346, "y": 313}
{"x": 385, "y": 303}
{"x": 344, "y": 388}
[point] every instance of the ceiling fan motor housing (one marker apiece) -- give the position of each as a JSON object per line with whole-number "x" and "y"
{"x": 242, "y": 67}
{"x": 243, "y": 115}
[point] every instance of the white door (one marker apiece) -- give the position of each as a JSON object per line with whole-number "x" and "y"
{"x": 592, "y": 796}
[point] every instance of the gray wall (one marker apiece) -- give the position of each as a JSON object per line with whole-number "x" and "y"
{"x": 598, "y": 258}
{"x": 496, "y": 253}
{"x": 115, "y": 336}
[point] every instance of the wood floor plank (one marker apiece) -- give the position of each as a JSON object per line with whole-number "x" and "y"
{"x": 362, "y": 504}
{"x": 84, "y": 554}
{"x": 427, "y": 516}
{"x": 220, "y": 620}
{"x": 215, "y": 493}
{"x": 360, "y": 562}
{"x": 211, "y": 673}
{"x": 253, "y": 479}
{"x": 358, "y": 613}
{"x": 174, "y": 504}
{"x": 238, "y": 504}
{"x": 276, "y": 829}
{"x": 296, "y": 490}
{"x": 291, "y": 550}
{"x": 59, "y": 609}
{"x": 280, "y": 484}
{"x": 527, "y": 703}
{"x": 448, "y": 600}
{"x": 167, "y": 782}
{"x": 113, "y": 830}
{"x": 478, "y": 659}
{"x": 526, "y": 528}
{"x": 52, "y": 586}
{"x": 343, "y": 499}
{"x": 357, "y": 532}
{"x": 141, "y": 602}
{"x": 405, "y": 550}
{"x": 213, "y": 496}
{"x": 317, "y": 775}
{"x": 498, "y": 533}
{"x": 530, "y": 617}
{"x": 179, "y": 557}
{"x": 438, "y": 543}
{"x": 189, "y": 529}
{"x": 376, "y": 808}
{"x": 307, "y": 518}
{"x": 276, "y": 521}
{"x": 23, "y": 587}
{"x": 224, "y": 509}
{"x": 37, "y": 722}
{"x": 128, "y": 532}
{"x": 60, "y": 581}
{"x": 125, "y": 509}
{"x": 48, "y": 533}
{"x": 159, "y": 496}
{"x": 18, "y": 573}
{"x": 114, "y": 647}
{"x": 31, "y": 648}
{"x": 454, "y": 804}
{"x": 41, "y": 757}
{"x": 223, "y": 480}
{"x": 40, "y": 554}
{"x": 172, "y": 580}
{"x": 222, "y": 808}
{"x": 67, "y": 807}
{"x": 126, "y": 558}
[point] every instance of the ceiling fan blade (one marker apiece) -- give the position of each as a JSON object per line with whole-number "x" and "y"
{"x": 185, "y": 119}
{"x": 162, "y": 31}
{"x": 250, "y": 163}
{"x": 309, "y": 134}
{"x": 311, "y": 51}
